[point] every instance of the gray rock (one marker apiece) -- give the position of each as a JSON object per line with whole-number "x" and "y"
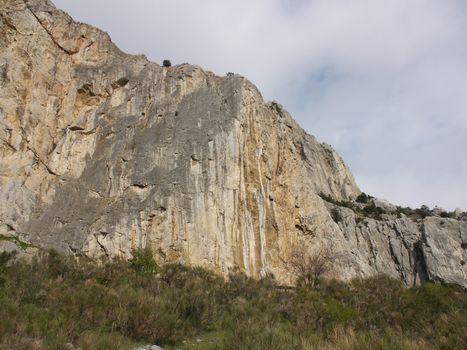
{"x": 149, "y": 347}
{"x": 444, "y": 243}
{"x": 384, "y": 204}
{"x": 9, "y": 247}
{"x": 70, "y": 346}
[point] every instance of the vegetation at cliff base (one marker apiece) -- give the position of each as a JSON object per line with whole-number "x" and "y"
{"x": 54, "y": 301}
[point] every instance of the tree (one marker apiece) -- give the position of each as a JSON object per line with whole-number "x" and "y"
{"x": 167, "y": 63}
{"x": 309, "y": 267}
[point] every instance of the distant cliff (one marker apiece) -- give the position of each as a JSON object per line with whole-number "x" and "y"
{"x": 102, "y": 152}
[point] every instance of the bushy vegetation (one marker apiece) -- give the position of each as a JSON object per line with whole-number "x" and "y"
{"x": 370, "y": 210}
{"x": 336, "y": 215}
{"x": 365, "y": 207}
{"x": 346, "y": 204}
{"x": 142, "y": 262}
{"x": 448, "y": 214}
{"x": 424, "y": 211}
{"x": 310, "y": 267}
{"x": 117, "y": 305}
{"x": 363, "y": 198}
{"x": 418, "y": 213}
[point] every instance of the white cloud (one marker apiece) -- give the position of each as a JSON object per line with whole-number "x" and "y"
{"x": 385, "y": 82}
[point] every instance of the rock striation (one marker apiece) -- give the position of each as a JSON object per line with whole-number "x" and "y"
{"x": 103, "y": 152}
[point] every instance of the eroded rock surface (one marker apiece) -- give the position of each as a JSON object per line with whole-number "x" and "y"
{"x": 102, "y": 152}
{"x": 413, "y": 250}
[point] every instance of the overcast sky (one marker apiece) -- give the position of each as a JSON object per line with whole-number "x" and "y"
{"x": 383, "y": 81}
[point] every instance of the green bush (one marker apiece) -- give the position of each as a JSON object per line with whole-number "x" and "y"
{"x": 415, "y": 214}
{"x": 371, "y": 210}
{"x": 336, "y": 215}
{"x": 142, "y": 261}
{"x": 363, "y": 198}
{"x": 446, "y": 214}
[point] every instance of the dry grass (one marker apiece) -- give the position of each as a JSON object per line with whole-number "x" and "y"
{"x": 347, "y": 338}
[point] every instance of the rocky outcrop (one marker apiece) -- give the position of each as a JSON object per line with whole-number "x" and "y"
{"x": 102, "y": 152}
{"x": 413, "y": 250}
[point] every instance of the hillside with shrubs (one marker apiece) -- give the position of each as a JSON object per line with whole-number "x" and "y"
{"x": 56, "y": 302}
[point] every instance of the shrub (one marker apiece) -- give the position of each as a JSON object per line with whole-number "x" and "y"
{"x": 424, "y": 211}
{"x": 167, "y": 63}
{"x": 419, "y": 213}
{"x": 336, "y": 215}
{"x": 309, "y": 267}
{"x": 142, "y": 261}
{"x": 371, "y": 210}
{"x": 446, "y": 214}
{"x": 363, "y": 198}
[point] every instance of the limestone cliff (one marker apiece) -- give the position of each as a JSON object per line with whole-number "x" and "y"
{"x": 102, "y": 152}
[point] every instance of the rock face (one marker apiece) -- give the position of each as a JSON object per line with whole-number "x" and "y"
{"x": 417, "y": 250}
{"x": 102, "y": 152}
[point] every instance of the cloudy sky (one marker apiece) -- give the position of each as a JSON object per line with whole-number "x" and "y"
{"x": 383, "y": 81}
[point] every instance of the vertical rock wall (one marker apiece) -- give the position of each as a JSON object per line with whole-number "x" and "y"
{"x": 102, "y": 152}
